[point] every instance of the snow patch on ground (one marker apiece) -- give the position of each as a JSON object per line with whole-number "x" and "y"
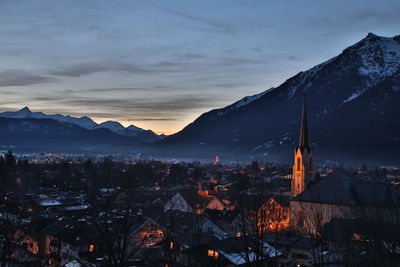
{"x": 353, "y": 96}
{"x": 266, "y": 145}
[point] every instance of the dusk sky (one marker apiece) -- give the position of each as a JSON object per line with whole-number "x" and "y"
{"x": 160, "y": 64}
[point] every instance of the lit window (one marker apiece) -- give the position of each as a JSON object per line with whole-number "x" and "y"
{"x": 171, "y": 245}
{"x": 238, "y": 234}
{"x": 91, "y": 248}
{"x": 213, "y": 253}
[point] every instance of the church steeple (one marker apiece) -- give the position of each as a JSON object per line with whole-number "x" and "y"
{"x": 303, "y": 142}
{"x": 303, "y": 167}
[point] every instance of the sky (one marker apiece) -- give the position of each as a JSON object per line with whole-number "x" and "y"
{"x": 161, "y": 64}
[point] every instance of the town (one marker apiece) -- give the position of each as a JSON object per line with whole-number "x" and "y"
{"x": 105, "y": 212}
{"x": 199, "y": 133}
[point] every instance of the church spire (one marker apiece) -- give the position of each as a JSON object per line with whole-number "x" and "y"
{"x": 303, "y": 167}
{"x": 303, "y": 142}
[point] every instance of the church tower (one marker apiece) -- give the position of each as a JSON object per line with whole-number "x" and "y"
{"x": 303, "y": 167}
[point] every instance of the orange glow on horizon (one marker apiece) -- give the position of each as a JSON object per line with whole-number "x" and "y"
{"x": 166, "y": 127}
{"x": 164, "y": 123}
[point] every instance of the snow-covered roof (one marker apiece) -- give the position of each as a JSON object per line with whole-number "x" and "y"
{"x": 238, "y": 258}
{"x": 49, "y": 202}
{"x": 76, "y": 207}
{"x": 73, "y": 263}
{"x": 107, "y": 190}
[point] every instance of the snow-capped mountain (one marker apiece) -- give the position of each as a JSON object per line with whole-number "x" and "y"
{"x": 114, "y": 126}
{"x": 146, "y": 136}
{"x": 43, "y": 134}
{"x": 26, "y": 113}
{"x": 353, "y": 102}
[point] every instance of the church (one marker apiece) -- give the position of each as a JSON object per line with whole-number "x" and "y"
{"x": 316, "y": 200}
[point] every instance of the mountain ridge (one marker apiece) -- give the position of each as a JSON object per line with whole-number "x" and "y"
{"x": 363, "y": 80}
{"x": 34, "y": 134}
{"x": 352, "y": 102}
{"x": 145, "y": 136}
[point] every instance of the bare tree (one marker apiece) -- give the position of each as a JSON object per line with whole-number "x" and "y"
{"x": 8, "y": 240}
{"x": 256, "y": 219}
{"x": 309, "y": 217}
{"x": 112, "y": 226}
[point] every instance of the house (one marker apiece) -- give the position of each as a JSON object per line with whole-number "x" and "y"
{"x": 187, "y": 201}
{"x": 78, "y": 263}
{"x": 231, "y": 252}
{"x": 38, "y": 205}
{"x": 295, "y": 250}
{"x": 352, "y": 242}
{"x": 339, "y": 196}
{"x": 223, "y": 219}
{"x": 183, "y": 223}
{"x": 67, "y": 239}
{"x": 143, "y": 234}
{"x": 274, "y": 214}
{"x": 178, "y": 243}
{"x": 178, "y": 202}
{"x": 22, "y": 257}
{"x": 30, "y": 234}
{"x": 216, "y": 204}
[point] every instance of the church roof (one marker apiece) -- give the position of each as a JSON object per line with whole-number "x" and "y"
{"x": 339, "y": 189}
{"x": 342, "y": 229}
{"x": 283, "y": 200}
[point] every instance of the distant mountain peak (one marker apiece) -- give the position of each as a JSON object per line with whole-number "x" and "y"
{"x": 372, "y": 35}
{"x": 374, "y": 58}
{"x": 25, "y": 110}
{"x": 112, "y": 125}
{"x": 87, "y": 123}
{"x": 134, "y": 128}
{"x": 346, "y": 94}
{"x": 86, "y": 118}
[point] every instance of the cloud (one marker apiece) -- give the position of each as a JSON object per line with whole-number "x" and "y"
{"x": 192, "y": 56}
{"x": 130, "y": 116}
{"x": 213, "y": 25}
{"x": 369, "y": 15}
{"x": 165, "y": 66}
{"x": 239, "y": 61}
{"x": 8, "y": 93}
{"x": 155, "y": 88}
{"x": 170, "y": 104}
{"x": 21, "y": 78}
{"x": 161, "y": 108}
{"x": 82, "y": 69}
{"x": 293, "y": 58}
{"x": 153, "y": 119}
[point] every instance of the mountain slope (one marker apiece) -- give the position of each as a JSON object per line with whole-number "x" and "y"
{"x": 25, "y": 113}
{"x": 352, "y": 101}
{"x": 28, "y": 134}
{"x": 145, "y": 136}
